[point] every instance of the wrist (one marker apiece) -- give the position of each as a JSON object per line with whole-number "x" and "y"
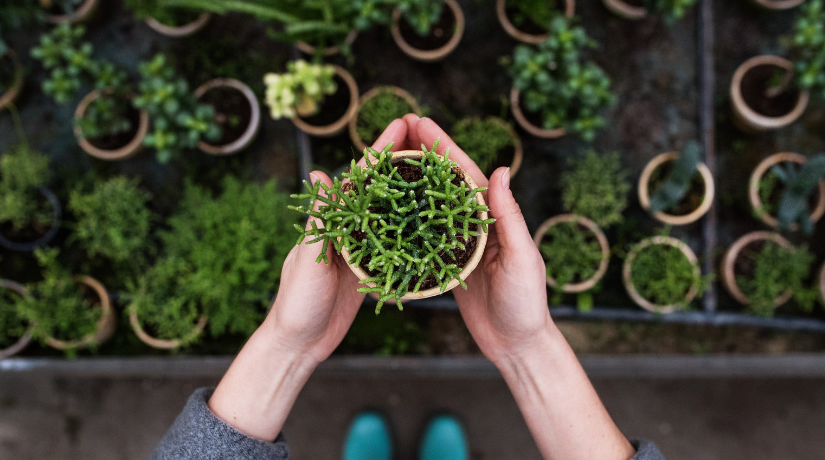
{"x": 534, "y": 357}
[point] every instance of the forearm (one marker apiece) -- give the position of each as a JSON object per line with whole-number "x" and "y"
{"x": 560, "y": 405}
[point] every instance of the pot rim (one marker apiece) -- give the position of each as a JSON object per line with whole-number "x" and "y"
{"x": 105, "y": 325}
{"x": 513, "y": 31}
{"x": 353, "y": 121}
{"x": 254, "y": 119}
{"x": 127, "y": 151}
{"x": 57, "y": 212}
{"x": 627, "y": 271}
{"x": 756, "y": 177}
{"x": 17, "y": 85}
{"x": 586, "y": 285}
{"x": 779, "y": 4}
{"x": 518, "y": 154}
{"x": 337, "y": 126}
{"x": 306, "y": 48}
{"x": 23, "y": 341}
{"x": 180, "y": 31}
{"x": 521, "y": 119}
{"x": 729, "y": 261}
{"x": 752, "y": 119}
{"x": 163, "y": 344}
{"x": 82, "y": 14}
{"x": 625, "y": 10}
{"x": 643, "y": 189}
{"x": 438, "y": 53}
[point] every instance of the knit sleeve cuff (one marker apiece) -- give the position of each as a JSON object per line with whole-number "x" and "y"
{"x": 646, "y": 450}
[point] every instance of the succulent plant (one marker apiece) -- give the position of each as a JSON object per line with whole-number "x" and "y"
{"x": 676, "y": 184}
{"x": 299, "y": 91}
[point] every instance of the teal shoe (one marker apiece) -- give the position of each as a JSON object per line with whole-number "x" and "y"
{"x": 368, "y": 438}
{"x": 444, "y": 439}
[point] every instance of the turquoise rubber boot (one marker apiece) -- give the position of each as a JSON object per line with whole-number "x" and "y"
{"x": 444, "y": 439}
{"x": 368, "y": 438}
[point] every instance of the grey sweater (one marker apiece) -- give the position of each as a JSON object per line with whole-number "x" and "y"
{"x": 198, "y": 434}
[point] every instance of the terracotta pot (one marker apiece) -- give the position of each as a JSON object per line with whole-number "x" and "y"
{"x": 728, "y": 274}
{"x": 353, "y": 122}
{"x": 83, "y": 14}
{"x": 30, "y": 246}
{"x": 518, "y": 149}
{"x": 14, "y": 90}
{"x": 468, "y": 268}
{"x": 254, "y": 121}
{"x": 105, "y": 325}
{"x": 524, "y": 123}
{"x": 163, "y": 344}
{"x": 430, "y": 55}
{"x": 748, "y": 119}
{"x": 696, "y": 214}
{"x": 180, "y": 31}
{"x": 627, "y": 271}
{"x": 756, "y": 177}
{"x": 306, "y": 48}
{"x": 822, "y": 283}
{"x": 513, "y": 31}
{"x": 129, "y": 150}
{"x": 338, "y": 126}
{"x": 585, "y": 285}
{"x": 24, "y": 341}
{"x": 778, "y": 4}
{"x": 625, "y": 10}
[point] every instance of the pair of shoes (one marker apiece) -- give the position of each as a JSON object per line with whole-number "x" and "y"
{"x": 369, "y": 438}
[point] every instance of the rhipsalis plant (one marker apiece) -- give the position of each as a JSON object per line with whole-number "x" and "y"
{"x": 22, "y": 172}
{"x": 483, "y": 140}
{"x": 775, "y": 271}
{"x": 299, "y": 91}
{"x": 809, "y": 47}
{"x": 409, "y": 225}
{"x": 596, "y": 187}
{"x": 671, "y": 10}
{"x": 421, "y": 14}
{"x": 799, "y": 183}
{"x": 676, "y": 184}
{"x": 559, "y": 85}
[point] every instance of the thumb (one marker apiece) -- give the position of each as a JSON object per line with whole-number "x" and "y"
{"x": 511, "y": 229}
{"x": 312, "y": 250}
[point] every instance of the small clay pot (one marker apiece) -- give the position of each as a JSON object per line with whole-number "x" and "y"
{"x": 513, "y": 31}
{"x": 105, "y": 325}
{"x": 669, "y": 219}
{"x": 306, "y": 48}
{"x": 468, "y": 268}
{"x": 728, "y": 273}
{"x": 778, "y": 4}
{"x": 254, "y": 120}
{"x": 83, "y": 14}
{"x": 30, "y": 246}
{"x": 24, "y": 341}
{"x": 337, "y": 126}
{"x": 353, "y": 122}
{"x": 515, "y": 106}
{"x": 129, "y": 150}
{"x": 518, "y": 149}
{"x": 180, "y": 31}
{"x": 747, "y": 118}
{"x": 756, "y": 177}
{"x": 163, "y": 344}
{"x": 588, "y": 284}
{"x": 430, "y": 55}
{"x": 625, "y": 10}
{"x": 16, "y": 86}
{"x": 627, "y": 271}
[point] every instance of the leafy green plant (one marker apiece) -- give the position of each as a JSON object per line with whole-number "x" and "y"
{"x": 421, "y": 14}
{"x": 378, "y": 112}
{"x": 556, "y": 83}
{"x": 405, "y": 223}
{"x": 775, "y": 270}
{"x": 12, "y": 326}
{"x": 570, "y": 254}
{"x": 22, "y": 172}
{"x": 15, "y": 14}
{"x": 663, "y": 275}
{"x": 539, "y": 12}
{"x": 671, "y": 10}
{"x": 676, "y": 184}
{"x": 178, "y": 121}
{"x": 299, "y": 90}
{"x": 482, "y": 139}
{"x": 808, "y": 46}
{"x": 155, "y": 9}
{"x": 799, "y": 184}
{"x": 596, "y": 187}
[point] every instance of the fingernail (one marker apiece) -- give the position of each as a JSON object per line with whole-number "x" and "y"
{"x": 313, "y": 179}
{"x": 417, "y": 117}
{"x": 505, "y": 180}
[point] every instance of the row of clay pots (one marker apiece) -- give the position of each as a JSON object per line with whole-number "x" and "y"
{"x": 756, "y": 177}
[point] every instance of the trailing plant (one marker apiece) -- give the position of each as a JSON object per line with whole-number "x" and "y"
{"x": 798, "y": 184}
{"x": 596, "y": 187}
{"x": 539, "y": 12}
{"x": 378, "y": 112}
{"x": 482, "y": 140}
{"x": 570, "y": 256}
{"x": 405, "y": 222}
{"x": 178, "y": 121}
{"x": 671, "y": 10}
{"x": 559, "y": 85}
{"x": 12, "y": 326}
{"x": 808, "y": 46}
{"x": 15, "y": 14}
{"x": 676, "y": 184}
{"x": 775, "y": 271}
{"x": 22, "y": 172}
{"x": 663, "y": 275}
{"x": 421, "y": 14}
{"x": 299, "y": 91}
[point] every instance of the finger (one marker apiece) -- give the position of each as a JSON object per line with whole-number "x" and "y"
{"x": 315, "y": 248}
{"x": 428, "y": 131}
{"x": 413, "y": 142}
{"x": 396, "y": 133}
{"x": 511, "y": 229}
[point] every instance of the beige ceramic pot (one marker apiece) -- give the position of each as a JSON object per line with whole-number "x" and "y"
{"x": 669, "y": 219}
{"x": 436, "y": 54}
{"x": 306, "y": 48}
{"x": 518, "y": 149}
{"x": 728, "y": 271}
{"x": 13, "y": 91}
{"x": 748, "y": 119}
{"x": 513, "y": 31}
{"x": 353, "y": 122}
{"x": 82, "y": 14}
{"x": 105, "y": 325}
{"x": 521, "y": 119}
{"x": 180, "y": 31}
{"x": 468, "y": 268}
{"x": 625, "y": 10}
{"x": 756, "y": 178}
{"x": 254, "y": 119}
{"x": 588, "y": 284}
{"x": 778, "y": 4}
{"x": 133, "y": 147}
{"x": 163, "y": 344}
{"x": 24, "y": 341}
{"x": 337, "y": 126}
{"x": 627, "y": 273}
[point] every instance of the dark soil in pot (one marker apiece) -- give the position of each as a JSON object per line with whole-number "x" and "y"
{"x": 33, "y": 232}
{"x": 8, "y": 72}
{"x": 121, "y": 139}
{"x": 232, "y": 112}
{"x": 440, "y": 33}
{"x": 757, "y": 82}
{"x": 333, "y": 107}
{"x": 692, "y": 199}
{"x": 525, "y": 23}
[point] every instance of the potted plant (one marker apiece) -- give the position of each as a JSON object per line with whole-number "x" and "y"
{"x": 69, "y": 11}
{"x": 555, "y": 91}
{"x": 67, "y": 312}
{"x": 425, "y": 30}
{"x": 169, "y": 21}
{"x": 427, "y": 249}
{"x": 490, "y": 142}
{"x": 576, "y": 253}
{"x": 596, "y": 187}
{"x": 376, "y": 109}
{"x": 29, "y": 212}
{"x": 237, "y": 114}
{"x": 778, "y": 4}
{"x": 763, "y": 271}
{"x": 11, "y": 77}
{"x": 771, "y": 92}
{"x": 661, "y": 274}
{"x": 15, "y": 334}
{"x": 525, "y": 20}
{"x": 676, "y": 188}
{"x": 670, "y": 10}
{"x": 319, "y": 99}
{"x": 787, "y": 189}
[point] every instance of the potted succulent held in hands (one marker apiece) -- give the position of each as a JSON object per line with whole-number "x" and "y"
{"x": 169, "y": 21}
{"x": 237, "y": 114}
{"x": 319, "y": 99}
{"x": 15, "y": 333}
{"x": 788, "y": 189}
{"x": 763, "y": 271}
{"x": 490, "y": 142}
{"x": 376, "y": 109}
{"x": 596, "y": 187}
{"x": 410, "y": 224}
{"x": 670, "y": 10}
{"x": 68, "y": 11}
{"x": 526, "y": 20}
{"x": 427, "y": 30}
{"x": 682, "y": 187}
{"x": 555, "y": 91}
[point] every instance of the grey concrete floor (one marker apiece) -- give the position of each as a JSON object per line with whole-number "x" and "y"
{"x": 44, "y": 417}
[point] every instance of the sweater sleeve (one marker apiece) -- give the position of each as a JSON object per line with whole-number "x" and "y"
{"x": 198, "y": 434}
{"x": 646, "y": 450}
